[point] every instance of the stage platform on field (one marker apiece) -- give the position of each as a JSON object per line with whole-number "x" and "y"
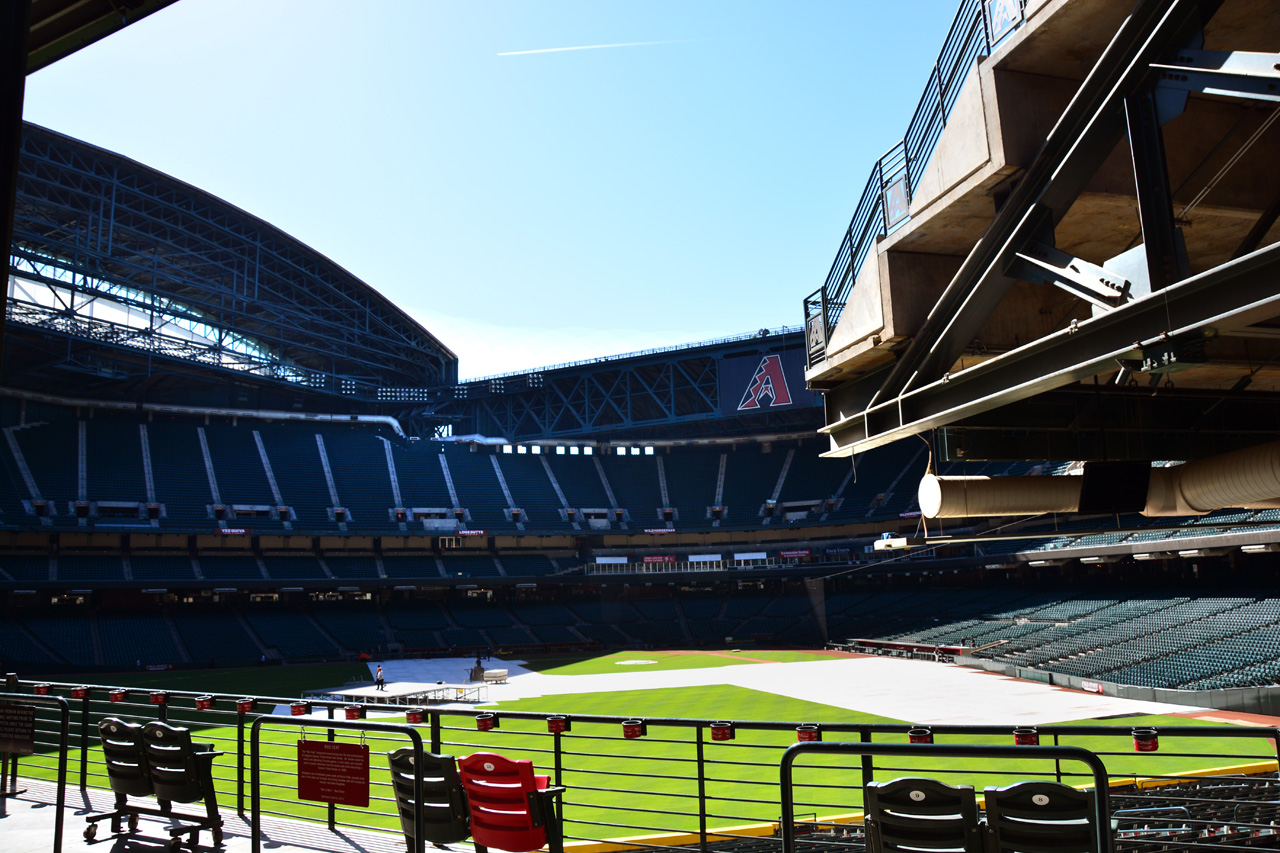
{"x": 406, "y": 693}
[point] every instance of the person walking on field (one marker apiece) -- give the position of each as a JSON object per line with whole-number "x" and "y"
{"x": 378, "y": 679}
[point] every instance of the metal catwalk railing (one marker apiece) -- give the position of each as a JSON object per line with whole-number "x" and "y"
{"x": 691, "y": 784}
{"x": 978, "y": 26}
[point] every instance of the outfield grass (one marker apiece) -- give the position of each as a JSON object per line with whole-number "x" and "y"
{"x": 620, "y": 788}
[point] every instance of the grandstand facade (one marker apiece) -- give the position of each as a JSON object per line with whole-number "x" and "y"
{"x": 207, "y": 423}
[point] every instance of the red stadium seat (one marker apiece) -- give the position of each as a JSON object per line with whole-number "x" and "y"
{"x": 511, "y": 808}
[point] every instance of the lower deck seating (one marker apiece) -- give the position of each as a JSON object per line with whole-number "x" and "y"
{"x": 129, "y": 639}
{"x": 211, "y": 635}
{"x": 290, "y": 632}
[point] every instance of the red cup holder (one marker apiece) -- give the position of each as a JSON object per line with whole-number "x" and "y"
{"x": 1145, "y": 740}
{"x": 486, "y": 722}
{"x": 1026, "y": 737}
{"x": 920, "y": 736}
{"x": 722, "y": 731}
{"x": 634, "y": 729}
{"x": 805, "y": 734}
{"x": 558, "y": 725}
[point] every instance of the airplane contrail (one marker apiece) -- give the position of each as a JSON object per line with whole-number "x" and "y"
{"x": 585, "y": 47}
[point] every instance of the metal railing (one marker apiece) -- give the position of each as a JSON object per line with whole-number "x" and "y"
{"x": 674, "y": 783}
{"x": 978, "y": 26}
{"x": 931, "y": 751}
{"x": 9, "y": 760}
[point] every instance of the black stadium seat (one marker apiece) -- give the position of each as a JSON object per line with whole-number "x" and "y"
{"x": 158, "y": 760}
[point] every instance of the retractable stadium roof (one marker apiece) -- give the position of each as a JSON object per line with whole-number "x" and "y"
{"x": 61, "y": 27}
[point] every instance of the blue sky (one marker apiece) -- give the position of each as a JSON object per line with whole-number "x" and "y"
{"x": 530, "y": 208}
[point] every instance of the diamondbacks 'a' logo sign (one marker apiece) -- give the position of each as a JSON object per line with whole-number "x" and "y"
{"x": 768, "y": 383}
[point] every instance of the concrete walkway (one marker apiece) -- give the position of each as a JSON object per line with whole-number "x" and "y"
{"x": 26, "y": 826}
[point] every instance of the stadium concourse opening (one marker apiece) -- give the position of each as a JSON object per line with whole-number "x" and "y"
{"x": 1044, "y": 358}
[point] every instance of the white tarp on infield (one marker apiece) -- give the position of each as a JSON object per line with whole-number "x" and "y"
{"x": 915, "y": 691}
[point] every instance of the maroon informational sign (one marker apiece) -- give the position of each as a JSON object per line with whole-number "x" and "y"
{"x": 18, "y": 729}
{"x": 662, "y": 558}
{"x": 798, "y": 552}
{"x": 335, "y": 773}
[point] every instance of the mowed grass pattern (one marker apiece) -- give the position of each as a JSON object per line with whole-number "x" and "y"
{"x": 619, "y": 788}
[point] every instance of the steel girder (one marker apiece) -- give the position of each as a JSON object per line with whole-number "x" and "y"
{"x": 61, "y": 27}
{"x": 112, "y": 226}
{"x": 918, "y": 391}
{"x": 620, "y": 396}
{"x": 1231, "y": 296}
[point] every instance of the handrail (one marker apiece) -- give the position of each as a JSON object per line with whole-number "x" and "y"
{"x": 1101, "y": 786}
{"x": 580, "y": 736}
{"x": 415, "y": 738}
{"x": 978, "y": 26}
{"x": 9, "y": 768}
